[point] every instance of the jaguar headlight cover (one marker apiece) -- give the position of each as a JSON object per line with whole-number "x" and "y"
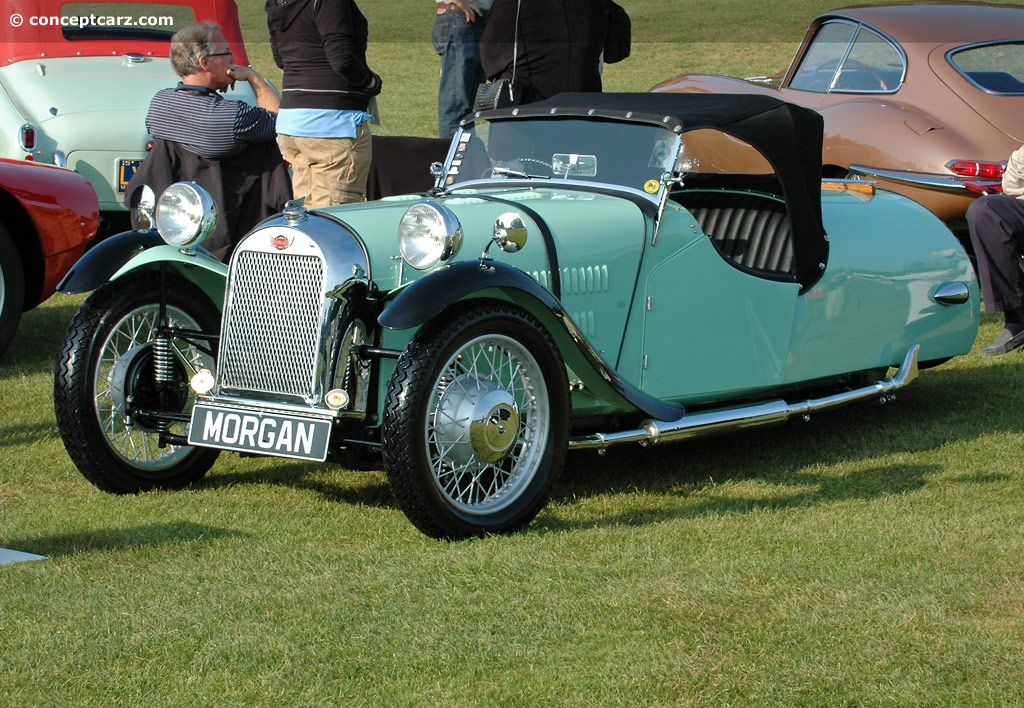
{"x": 185, "y": 215}
{"x": 427, "y": 234}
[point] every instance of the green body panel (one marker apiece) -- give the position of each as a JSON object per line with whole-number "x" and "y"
{"x": 676, "y": 320}
{"x": 875, "y": 301}
{"x": 598, "y": 239}
{"x": 740, "y": 340}
{"x": 209, "y": 274}
{"x": 706, "y": 331}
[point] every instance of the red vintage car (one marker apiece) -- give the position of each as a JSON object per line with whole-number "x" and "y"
{"x": 926, "y": 98}
{"x": 48, "y": 215}
{"x": 76, "y": 79}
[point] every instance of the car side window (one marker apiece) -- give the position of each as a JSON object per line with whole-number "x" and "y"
{"x": 849, "y": 58}
{"x": 823, "y": 58}
{"x": 873, "y": 65}
{"x": 995, "y": 68}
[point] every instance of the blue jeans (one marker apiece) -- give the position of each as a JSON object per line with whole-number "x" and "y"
{"x": 458, "y": 43}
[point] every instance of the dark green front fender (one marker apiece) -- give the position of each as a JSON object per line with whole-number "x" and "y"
{"x": 104, "y": 259}
{"x": 136, "y": 250}
{"x": 433, "y": 294}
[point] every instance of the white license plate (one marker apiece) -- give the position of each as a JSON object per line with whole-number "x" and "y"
{"x": 261, "y": 433}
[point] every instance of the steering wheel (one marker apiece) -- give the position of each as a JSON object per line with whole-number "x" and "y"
{"x": 861, "y": 66}
{"x": 551, "y": 170}
{"x": 520, "y": 170}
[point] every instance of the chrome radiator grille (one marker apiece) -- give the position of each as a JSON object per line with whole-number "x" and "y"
{"x": 271, "y": 336}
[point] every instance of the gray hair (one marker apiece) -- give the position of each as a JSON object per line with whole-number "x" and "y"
{"x": 190, "y": 43}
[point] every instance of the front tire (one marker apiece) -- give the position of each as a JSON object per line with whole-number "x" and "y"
{"x": 106, "y": 364}
{"x": 12, "y": 289}
{"x": 476, "y": 422}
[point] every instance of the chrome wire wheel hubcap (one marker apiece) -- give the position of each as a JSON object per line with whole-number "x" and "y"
{"x": 487, "y": 424}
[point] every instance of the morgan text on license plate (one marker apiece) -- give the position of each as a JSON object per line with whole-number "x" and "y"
{"x": 262, "y": 433}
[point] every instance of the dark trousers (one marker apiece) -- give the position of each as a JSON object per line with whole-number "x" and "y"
{"x": 996, "y": 223}
{"x": 457, "y": 41}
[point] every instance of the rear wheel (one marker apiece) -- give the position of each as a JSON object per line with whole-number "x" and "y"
{"x": 106, "y": 375}
{"x": 476, "y": 423}
{"x": 12, "y": 289}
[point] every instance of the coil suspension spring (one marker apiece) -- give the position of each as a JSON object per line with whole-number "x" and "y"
{"x": 163, "y": 359}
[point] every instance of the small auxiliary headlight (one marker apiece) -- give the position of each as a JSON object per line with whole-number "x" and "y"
{"x": 428, "y": 233}
{"x": 185, "y": 215}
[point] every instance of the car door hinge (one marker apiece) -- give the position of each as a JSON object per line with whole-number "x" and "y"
{"x": 645, "y": 361}
{"x": 650, "y": 303}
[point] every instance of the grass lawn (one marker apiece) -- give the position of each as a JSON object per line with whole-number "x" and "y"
{"x": 870, "y": 556}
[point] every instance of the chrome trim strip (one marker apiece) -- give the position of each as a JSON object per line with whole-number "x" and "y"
{"x": 927, "y": 180}
{"x": 725, "y": 420}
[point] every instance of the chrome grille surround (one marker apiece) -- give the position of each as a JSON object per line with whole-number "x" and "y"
{"x": 286, "y": 304}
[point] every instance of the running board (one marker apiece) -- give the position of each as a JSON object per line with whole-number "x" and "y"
{"x": 652, "y": 432}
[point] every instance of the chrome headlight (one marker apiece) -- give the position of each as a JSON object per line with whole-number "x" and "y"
{"x": 185, "y": 215}
{"x": 428, "y": 233}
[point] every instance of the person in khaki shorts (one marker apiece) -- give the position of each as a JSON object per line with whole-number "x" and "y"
{"x": 329, "y": 170}
{"x": 322, "y": 124}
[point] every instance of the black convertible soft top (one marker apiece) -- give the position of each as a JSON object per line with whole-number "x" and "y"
{"x": 789, "y": 136}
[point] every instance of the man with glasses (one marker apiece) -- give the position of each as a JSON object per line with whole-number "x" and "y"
{"x": 195, "y": 114}
{"x": 228, "y": 147}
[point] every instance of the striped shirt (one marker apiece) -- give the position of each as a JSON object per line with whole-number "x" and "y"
{"x": 206, "y": 123}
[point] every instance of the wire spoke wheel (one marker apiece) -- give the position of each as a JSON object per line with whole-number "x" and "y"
{"x": 124, "y": 374}
{"x": 118, "y": 389}
{"x": 476, "y": 422}
{"x": 487, "y": 424}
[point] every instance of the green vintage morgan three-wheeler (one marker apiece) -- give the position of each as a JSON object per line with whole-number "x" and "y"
{"x": 591, "y": 270}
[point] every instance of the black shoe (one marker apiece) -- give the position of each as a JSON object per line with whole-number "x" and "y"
{"x": 1004, "y": 344}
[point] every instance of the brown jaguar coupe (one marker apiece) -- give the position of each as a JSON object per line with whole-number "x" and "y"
{"x": 926, "y": 98}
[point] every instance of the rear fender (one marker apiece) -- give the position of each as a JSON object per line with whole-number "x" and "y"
{"x": 432, "y": 295}
{"x": 132, "y": 251}
{"x": 885, "y": 133}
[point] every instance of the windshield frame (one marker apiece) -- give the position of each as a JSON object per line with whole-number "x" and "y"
{"x": 653, "y": 190}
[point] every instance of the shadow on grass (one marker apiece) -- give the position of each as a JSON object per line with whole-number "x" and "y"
{"x": 335, "y": 484}
{"x": 105, "y": 540}
{"x": 806, "y": 490}
{"x": 940, "y": 409}
{"x": 15, "y": 435}
{"x": 35, "y": 346}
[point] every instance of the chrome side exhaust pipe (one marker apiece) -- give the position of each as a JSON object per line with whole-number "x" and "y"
{"x": 652, "y": 432}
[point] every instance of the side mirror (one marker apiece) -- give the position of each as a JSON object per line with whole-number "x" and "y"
{"x": 510, "y": 232}
{"x": 143, "y": 205}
